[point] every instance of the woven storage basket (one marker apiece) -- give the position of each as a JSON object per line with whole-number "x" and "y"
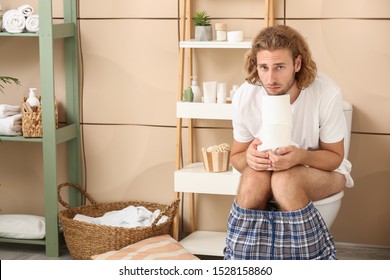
{"x": 85, "y": 239}
{"x": 32, "y": 121}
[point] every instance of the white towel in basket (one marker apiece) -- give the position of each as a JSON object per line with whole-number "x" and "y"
{"x": 129, "y": 217}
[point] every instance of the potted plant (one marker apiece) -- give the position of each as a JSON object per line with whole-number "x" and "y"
{"x": 203, "y": 29}
{"x": 7, "y": 80}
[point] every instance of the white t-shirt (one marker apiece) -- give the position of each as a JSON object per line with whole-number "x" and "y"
{"x": 317, "y": 115}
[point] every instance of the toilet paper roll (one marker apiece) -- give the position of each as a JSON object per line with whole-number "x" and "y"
{"x": 276, "y": 109}
{"x": 277, "y": 122}
{"x": 274, "y": 136}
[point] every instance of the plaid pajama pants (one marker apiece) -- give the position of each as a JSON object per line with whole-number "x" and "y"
{"x": 278, "y": 235}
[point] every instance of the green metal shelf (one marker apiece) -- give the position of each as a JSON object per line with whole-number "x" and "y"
{"x": 19, "y": 139}
{"x": 70, "y": 133}
{"x": 24, "y": 241}
{"x": 6, "y": 34}
{"x": 60, "y": 30}
{"x": 63, "y": 134}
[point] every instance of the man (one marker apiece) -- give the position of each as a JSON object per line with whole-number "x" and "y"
{"x": 280, "y": 63}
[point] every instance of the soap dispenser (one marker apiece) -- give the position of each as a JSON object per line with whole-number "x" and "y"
{"x": 32, "y": 99}
{"x": 196, "y": 90}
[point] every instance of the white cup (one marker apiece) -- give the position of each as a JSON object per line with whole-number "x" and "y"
{"x": 210, "y": 92}
{"x": 221, "y": 93}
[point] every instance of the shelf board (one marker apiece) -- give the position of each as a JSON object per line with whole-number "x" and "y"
{"x": 195, "y": 179}
{"x": 23, "y": 241}
{"x": 60, "y": 30}
{"x": 245, "y": 44}
{"x": 63, "y": 30}
{"x": 199, "y": 110}
{"x": 19, "y": 139}
{"x": 208, "y": 243}
{"x": 24, "y": 34}
{"x": 64, "y": 134}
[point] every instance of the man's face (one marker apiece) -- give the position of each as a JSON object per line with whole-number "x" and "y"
{"x": 277, "y": 70}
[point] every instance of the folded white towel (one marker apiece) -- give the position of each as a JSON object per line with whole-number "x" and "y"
{"x": 129, "y": 217}
{"x": 13, "y": 21}
{"x": 11, "y": 126}
{"x": 8, "y": 110}
{"x": 32, "y": 23}
{"x": 26, "y": 10}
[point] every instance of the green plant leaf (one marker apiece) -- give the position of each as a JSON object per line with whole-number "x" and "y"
{"x": 202, "y": 19}
{"x": 8, "y": 80}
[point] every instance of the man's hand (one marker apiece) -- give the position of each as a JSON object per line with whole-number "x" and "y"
{"x": 257, "y": 160}
{"x": 284, "y": 158}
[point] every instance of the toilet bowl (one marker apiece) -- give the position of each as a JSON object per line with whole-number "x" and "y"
{"x": 330, "y": 206}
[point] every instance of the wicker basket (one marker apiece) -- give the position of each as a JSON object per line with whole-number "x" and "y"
{"x": 85, "y": 239}
{"x": 32, "y": 120}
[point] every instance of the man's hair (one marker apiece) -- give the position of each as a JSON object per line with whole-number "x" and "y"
{"x": 282, "y": 37}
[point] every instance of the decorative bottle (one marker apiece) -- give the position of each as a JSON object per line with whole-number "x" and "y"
{"x": 32, "y": 99}
{"x": 196, "y": 90}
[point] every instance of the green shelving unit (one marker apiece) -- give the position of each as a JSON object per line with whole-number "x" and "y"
{"x": 70, "y": 133}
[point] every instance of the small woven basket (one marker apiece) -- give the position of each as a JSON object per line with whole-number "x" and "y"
{"x": 86, "y": 239}
{"x": 32, "y": 120}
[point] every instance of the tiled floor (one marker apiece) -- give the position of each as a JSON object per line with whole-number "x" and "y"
{"x": 35, "y": 252}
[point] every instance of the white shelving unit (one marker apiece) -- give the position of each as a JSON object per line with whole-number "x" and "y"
{"x": 245, "y": 44}
{"x": 208, "y": 243}
{"x": 193, "y": 178}
{"x": 196, "y": 110}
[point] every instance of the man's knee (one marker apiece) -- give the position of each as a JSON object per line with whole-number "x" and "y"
{"x": 280, "y": 180}
{"x": 288, "y": 190}
{"x": 254, "y": 190}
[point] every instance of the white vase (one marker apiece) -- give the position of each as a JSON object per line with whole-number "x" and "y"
{"x": 203, "y": 33}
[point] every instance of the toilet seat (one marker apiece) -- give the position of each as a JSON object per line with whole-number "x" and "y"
{"x": 329, "y": 207}
{"x": 329, "y": 199}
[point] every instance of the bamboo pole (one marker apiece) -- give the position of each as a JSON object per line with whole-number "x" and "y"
{"x": 269, "y": 13}
{"x": 179, "y": 122}
{"x": 190, "y": 121}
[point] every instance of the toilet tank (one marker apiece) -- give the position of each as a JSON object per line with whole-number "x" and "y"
{"x": 347, "y": 108}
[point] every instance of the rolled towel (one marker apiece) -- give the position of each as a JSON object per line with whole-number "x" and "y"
{"x": 13, "y": 21}
{"x": 26, "y": 10}
{"x": 32, "y": 23}
{"x": 11, "y": 126}
{"x": 8, "y": 110}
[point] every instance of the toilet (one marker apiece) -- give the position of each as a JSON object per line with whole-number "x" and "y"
{"x": 330, "y": 206}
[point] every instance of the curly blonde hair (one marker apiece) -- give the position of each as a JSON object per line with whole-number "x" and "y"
{"x": 282, "y": 37}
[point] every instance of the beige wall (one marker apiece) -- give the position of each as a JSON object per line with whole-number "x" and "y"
{"x": 130, "y": 59}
